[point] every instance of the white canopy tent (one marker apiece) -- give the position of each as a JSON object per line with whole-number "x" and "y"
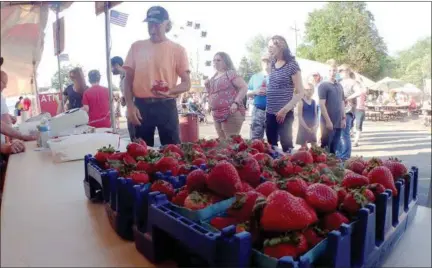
{"x": 408, "y": 89}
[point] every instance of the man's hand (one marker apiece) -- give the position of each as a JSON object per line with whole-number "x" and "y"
{"x": 329, "y": 125}
{"x": 134, "y": 115}
{"x": 262, "y": 91}
{"x": 30, "y": 137}
{"x": 17, "y": 146}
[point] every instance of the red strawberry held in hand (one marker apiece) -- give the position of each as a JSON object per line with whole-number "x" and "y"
{"x": 196, "y": 201}
{"x": 139, "y": 177}
{"x": 247, "y": 168}
{"x": 103, "y": 154}
{"x": 167, "y": 163}
{"x": 292, "y": 245}
{"x": 224, "y": 179}
{"x": 354, "y": 180}
{"x": 284, "y": 212}
{"x": 383, "y": 175}
{"x": 136, "y": 149}
{"x": 159, "y": 85}
{"x": 266, "y": 188}
{"x": 196, "y": 180}
{"x": 321, "y": 197}
{"x": 333, "y": 221}
{"x": 163, "y": 187}
{"x": 242, "y": 208}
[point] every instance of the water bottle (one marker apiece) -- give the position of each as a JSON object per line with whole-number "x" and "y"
{"x": 43, "y": 134}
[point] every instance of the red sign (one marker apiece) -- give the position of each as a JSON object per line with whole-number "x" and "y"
{"x": 100, "y": 6}
{"x": 48, "y": 103}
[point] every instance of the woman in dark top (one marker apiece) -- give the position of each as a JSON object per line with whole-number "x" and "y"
{"x": 73, "y": 93}
{"x": 285, "y": 76}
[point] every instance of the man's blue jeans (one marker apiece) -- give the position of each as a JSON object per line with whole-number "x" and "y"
{"x": 344, "y": 148}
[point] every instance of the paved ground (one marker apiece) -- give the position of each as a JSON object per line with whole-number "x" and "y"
{"x": 409, "y": 141}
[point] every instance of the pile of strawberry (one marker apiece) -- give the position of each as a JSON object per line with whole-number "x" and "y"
{"x": 288, "y": 204}
{"x": 305, "y": 196}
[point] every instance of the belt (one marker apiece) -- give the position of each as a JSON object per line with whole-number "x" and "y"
{"x": 153, "y": 100}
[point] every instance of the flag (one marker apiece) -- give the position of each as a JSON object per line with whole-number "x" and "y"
{"x": 118, "y": 18}
{"x": 64, "y": 57}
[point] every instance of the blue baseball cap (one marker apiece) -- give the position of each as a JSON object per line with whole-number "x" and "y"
{"x": 156, "y": 14}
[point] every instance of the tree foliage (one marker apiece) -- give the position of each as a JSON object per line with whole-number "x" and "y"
{"x": 64, "y": 73}
{"x": 245, "y": 69}
{"x": 251, "y": 62}
{"x": 413, "y": 65}
{"x": 346, "y": 32}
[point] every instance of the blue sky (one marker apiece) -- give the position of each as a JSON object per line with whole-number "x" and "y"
{"x": 229, "y": 26}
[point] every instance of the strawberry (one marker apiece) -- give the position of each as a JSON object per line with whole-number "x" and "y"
{"x": 285, "y": 212}
{"x": 103, "y": 154}
{"x": 180, "y": 197}
{"x": 333, "y": 221}
{"x": 139, "y": 177}
{"x": 196, "y": 201}
{"x": 173, "y": 155}
{"x": 129, "y": 160}
{"x": 252, "y": 151}
{"x": 145, "y": 166}
{"x": 302, "y": 157}
{"x": 248, "y": 169}
{"x": 116, "y": 156}
{"x": 135, "y": 149}
{"x": 296, "y": 186}
{"x": 318, "y": 154}
{"x": 376, "y": 188}
{"x": 264, "y": 160}
{"x": 196, "y": 180}
{"x": 355, "y": 165}
{"x": 240, "y": 147}
{"x": 222, "y": 222}
{"x": 236, "y": 139}
{"x": 242, "y": 227}
{"x": 184, "y": 169}
{"x": 270, "y": 174}
{"x": 341, "y": 193}
{"x": 172, "y": 148}
{"x": 383, "y": 175}
{"x": 284, "y": 167}
{"x": 246, "y": 187}
{"x": 321, "y": 197}
{"x": 198, "y": 162}
{"x": 356, "y": 199}
{"x": 242, "y": 208}
{"x": 224, "y": 179}
{"x": 292, "y": 245}
{"x": 371, "y": 164}
{"x": 328, "y": 179}
{"x": 258, "y": 145}
{"x": 167, "y": 163}
{"x": 397, "y": 169}
{"x": 163, "y": 187}
{"x": 266, "y": 188}
{"x": 313, "y": 236}
{"x": 354, "y": 180}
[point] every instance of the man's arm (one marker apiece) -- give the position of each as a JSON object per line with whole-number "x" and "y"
{"x": 358, "y": 90}
{"x": 9, "y": 131}
{"x": 184, "y": 85}
{"x": 322, "y": 93}
{"x": 251, "y": 91}
{"x": 182, "y": 70}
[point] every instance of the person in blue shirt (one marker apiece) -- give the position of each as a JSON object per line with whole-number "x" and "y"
{"x": 257, "y": 89}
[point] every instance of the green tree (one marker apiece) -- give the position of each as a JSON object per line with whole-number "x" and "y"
{"x": 256, "y": 47}
{"x": 413, "y": 65}
{"x": 64, "y": 73}
{"x": 346, "y": 32}
{"x": 245, "y": 69}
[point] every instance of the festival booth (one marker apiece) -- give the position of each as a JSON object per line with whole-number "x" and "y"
{"x": 94, "y": 199}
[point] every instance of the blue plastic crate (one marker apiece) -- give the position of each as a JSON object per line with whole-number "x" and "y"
{"x": 398, "y": 203}
{"x": 409, "y": 189}
{"x": 92, "y": 188}
{"x": 334, "y": 251}
{"x": 384, "y": 216}
{"x": 172, "y": 232}
{"x": 206, "y": 213}
{"x": 363, "y": 235}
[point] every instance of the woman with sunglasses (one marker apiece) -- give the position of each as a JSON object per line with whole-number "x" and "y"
{"x": 226, "y": 91}
{"x": 285, "y": 76}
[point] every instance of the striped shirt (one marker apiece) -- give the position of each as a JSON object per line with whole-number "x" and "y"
{"x": 280, "y": 89}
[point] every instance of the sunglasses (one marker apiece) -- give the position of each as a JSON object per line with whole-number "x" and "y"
{"x": 217, "y": 60}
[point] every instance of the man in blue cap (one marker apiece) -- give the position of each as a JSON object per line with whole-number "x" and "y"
{"x": 153, "y": 67}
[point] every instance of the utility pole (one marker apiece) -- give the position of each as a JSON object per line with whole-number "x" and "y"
{"x": 296, "y": 30}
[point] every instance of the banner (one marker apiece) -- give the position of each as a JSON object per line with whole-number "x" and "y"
{"x": 59, "y": 23}
{"x": 48, "y": 102}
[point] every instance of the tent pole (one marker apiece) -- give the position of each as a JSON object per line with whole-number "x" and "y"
{"x": 108, "y": 60}
{"x": 38, "y": 107}
{"x": 58, "y": 57}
